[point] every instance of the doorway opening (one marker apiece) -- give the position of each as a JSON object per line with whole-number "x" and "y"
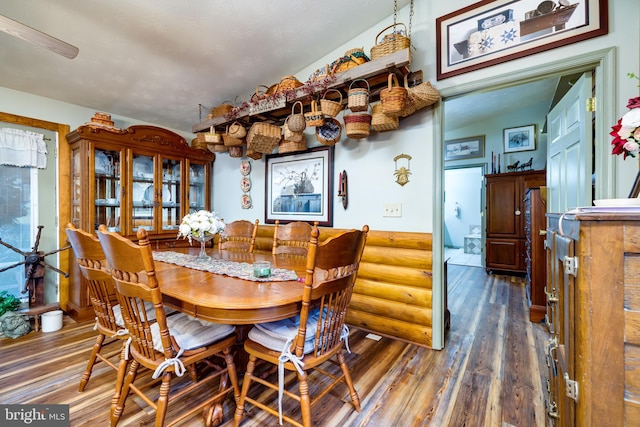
{"x": 463, "y": 219}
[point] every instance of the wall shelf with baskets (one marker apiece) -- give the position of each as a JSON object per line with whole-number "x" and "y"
{"x": 375, "y": 72}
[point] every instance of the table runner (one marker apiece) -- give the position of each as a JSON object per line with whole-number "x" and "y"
{"x": 241, "y": 270}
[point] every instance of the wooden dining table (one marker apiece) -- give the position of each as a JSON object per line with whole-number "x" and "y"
{"x": 224, "y": 299}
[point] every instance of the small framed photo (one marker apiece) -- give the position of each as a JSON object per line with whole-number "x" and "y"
{"x": 522, "y": 138}
{"x": 464, "y": 148}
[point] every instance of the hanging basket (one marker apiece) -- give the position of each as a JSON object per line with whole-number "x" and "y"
{"x": 290, "y": 135}
{"x": 230, "y": 140}
{"x": 390, "y": 43}
{"x": 328, "y": 107}
{"x": 222, "y": 109}
{"x": 380, "y": 122}
{"x": 252, "y": 154}
{"x": 287, "y": 146}
{"x": 296, "y": 120}
{"x": 357, "y": 125}
{"x": 393, "y": 97}
{"x": 235, "y": 151}
{"x": 330, "y": 132}
{"x": 236, "y": 130}
{"x": 209, "y": 137}
{"x": 358, "y": 99}
{"x": 263, "y": 137}
{"x": 419, "y": 97}
{"x": 314, "y": 117}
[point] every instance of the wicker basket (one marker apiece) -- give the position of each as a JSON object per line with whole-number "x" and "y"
{"x": 390, "y": 43}
{"x": 209, "y": 137}
{"x": 314, "y": 117}
{"x": 287, "y": 83}
{"x": 357, "y": 125}
{"x": 230, "y": 140}
{"x": 252, "y": 154}
{"x": 222, "y": 109}
{"x": 296, "y": 121}
{"x": 380, "y": 122}
{"x": 330, "y": 131}
{"x": 235, "y": 151}
{"x": 358, "y": 98}
{"x": 263, "y": 137}
{"x": 287, "y": 146}
{"x": 393, "y": 97}
{"x": 290, "y": 135}
{"x": 236, "y": 130}
{"x": 328, "y": 107}
{"x": 217, "y": 148}
{"x": 419, "y": 97}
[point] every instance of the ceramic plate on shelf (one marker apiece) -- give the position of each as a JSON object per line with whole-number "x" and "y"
{"x": 138, "y": 191}
{"x": 245, "y": 167}
{"x": 143, "y": 166}
{"x": 102, "y": 164}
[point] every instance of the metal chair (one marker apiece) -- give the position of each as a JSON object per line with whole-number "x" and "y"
{"x": 169, "y": 345}
{"x": 291, "y": 238}
{"x": 239, "y": 236}
{"x": 308, "y": 340}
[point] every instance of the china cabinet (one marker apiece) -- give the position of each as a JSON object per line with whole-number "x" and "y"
{"x": 593, "y": 314}
{"x": 128, "y": 179}
{"x": 505, "y": 220}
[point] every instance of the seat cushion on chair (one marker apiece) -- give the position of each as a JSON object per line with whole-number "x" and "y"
{"x": 148, "y": 307}
{"x": 191, "y": 333}
{"x": 274, "y": 335}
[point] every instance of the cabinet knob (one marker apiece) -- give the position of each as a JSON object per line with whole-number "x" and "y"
{"x": 542, "y": 232}
{"x": 518, "y": 212}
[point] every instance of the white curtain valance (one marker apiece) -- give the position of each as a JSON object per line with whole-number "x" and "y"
{"x": 22, "y": 148}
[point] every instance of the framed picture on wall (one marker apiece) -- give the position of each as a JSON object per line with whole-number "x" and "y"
{"x": 522, "y": 138}
{"x": 464, "y": 148}
{"x": 299, "y": 186}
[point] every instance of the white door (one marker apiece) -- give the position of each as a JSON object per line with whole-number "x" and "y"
{"x": 569, "y": 150}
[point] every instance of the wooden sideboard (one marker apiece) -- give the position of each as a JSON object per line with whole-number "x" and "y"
{"x": 593, "y": 313}
{"x": 505, "y": 222}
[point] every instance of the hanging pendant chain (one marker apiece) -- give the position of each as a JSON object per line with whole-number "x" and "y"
{"x": 395, "y": 16}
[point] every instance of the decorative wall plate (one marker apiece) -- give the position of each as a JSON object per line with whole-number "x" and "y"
{"x": 245, "y": 167}
{"x": 246, "y": 201}
{"x": 245, "y": 184}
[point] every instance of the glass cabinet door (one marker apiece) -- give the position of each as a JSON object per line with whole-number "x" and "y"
{"x": 143, "y": 194}
{"x": 107, "y": 192}
{"x": 171, "y": 194}
{"x": 197, "y": 195}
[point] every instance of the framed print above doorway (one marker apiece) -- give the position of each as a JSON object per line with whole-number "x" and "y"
{"x": 494, "y": 31}
{"x": 521, "y": 138}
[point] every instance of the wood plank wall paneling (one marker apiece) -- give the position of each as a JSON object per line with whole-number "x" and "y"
{"x": 393, "y": 291}
{"x": 632, "y": 325}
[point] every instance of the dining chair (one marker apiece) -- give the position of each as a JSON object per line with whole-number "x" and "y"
{"x": 314, "y": 336}
{"x": 102, "y": 293}
{"x": 168, "y": 345}
{"x": 239, "y": 236}
{"x": 292, "y": 238}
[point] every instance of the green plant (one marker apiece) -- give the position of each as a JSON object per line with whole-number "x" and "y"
{"x": 8, "y": 302}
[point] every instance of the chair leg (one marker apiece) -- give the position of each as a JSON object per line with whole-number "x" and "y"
{"x": 163, "y": 400}
{"x": 122, "y": 370}
{"x": 305, "y": 400}
{"x": 116, "y": 412}
{"x": 248, "y": 375}
{"x": 233, "y": 374}
{"x": 347, "y": 378}
{"x": 92, "y": 360}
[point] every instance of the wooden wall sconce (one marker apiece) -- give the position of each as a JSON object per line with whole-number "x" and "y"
{"x": 342, "y": 189}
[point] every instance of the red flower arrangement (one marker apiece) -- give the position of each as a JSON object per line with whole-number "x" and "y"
{"x": 626, "y": 133}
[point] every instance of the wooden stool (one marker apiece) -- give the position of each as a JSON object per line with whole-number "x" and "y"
{"x": 37, "y": 311}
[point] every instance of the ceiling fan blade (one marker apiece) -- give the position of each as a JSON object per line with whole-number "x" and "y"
{"x": 36, "y": 37}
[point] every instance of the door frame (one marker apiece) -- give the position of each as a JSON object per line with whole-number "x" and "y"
{"x": 604, "y": 63}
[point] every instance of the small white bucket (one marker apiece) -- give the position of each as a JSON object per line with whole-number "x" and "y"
{"x": 51, "y": 321}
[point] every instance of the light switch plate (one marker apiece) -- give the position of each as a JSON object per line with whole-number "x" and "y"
{"x": 392, "y": 209}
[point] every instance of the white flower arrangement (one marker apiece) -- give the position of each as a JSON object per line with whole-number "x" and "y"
{"x": 200, "y": 224}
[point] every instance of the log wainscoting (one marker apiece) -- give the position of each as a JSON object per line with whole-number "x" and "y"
{"x": 393, "y": 292}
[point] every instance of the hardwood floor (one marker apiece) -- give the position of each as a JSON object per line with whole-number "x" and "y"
{"x": 491, "y": 373}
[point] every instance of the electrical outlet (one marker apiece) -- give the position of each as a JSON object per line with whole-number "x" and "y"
{"x": 392, "y": 209}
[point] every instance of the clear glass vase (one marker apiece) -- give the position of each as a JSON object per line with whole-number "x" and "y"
{"x": 203, "y": 241}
